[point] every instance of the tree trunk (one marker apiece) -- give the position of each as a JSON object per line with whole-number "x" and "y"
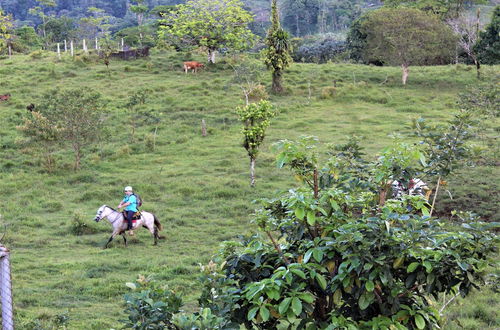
{"x": 277, "y": 86}
{"x": 406, "y": 72}
{"x": 478, "y": 67}
{"x": 435, "y": 195}
{"x": 211, "y": 56}
{"x": 78, "y": 156}
{"x": 252, "y": 172}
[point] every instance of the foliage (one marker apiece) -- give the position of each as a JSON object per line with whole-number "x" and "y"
{"x": 132, "y": 36}
{"x": 5, "y": 26}
{"x": 210, "y": 24}
{"x": 488, "y": 46}
{"x": 321, "y": 51}
{"x": 26, "y": 38}
{"x": 309, "y": 17}
{"x": 344, "y": 262}
{"x": 442, "y": 8}
{"x": 256, "y": 118}
{"x": 68, "y": 117}
{"x": 406, "y": 37}
{"x": 277, "y": 52}
{"x": 150, "y": 306}
{"x": 95, "y": 25}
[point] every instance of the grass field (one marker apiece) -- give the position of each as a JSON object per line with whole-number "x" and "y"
{"x": 198, "y": 186}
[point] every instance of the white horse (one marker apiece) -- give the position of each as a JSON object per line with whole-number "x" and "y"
{"x": 119, "y": 223}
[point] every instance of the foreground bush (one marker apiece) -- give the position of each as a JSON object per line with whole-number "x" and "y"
{"x": 335, "y": 257}
{"x": 339, "y": 252}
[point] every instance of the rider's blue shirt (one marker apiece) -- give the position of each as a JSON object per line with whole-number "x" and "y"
{"x": 133, "y": 203}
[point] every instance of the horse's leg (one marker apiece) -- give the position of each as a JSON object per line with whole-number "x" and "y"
{"x": 124, "y": 238}
{"x": 109, "y": 241}
{"x": 115, "y": 232}
{"x": 152, "y": 229}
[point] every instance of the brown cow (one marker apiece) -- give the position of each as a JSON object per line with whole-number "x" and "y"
{"x": 193, "y": 65}
{"x": 5, "y": 97}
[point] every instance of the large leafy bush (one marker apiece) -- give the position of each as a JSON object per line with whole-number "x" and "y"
{"x": 336, "y": 253}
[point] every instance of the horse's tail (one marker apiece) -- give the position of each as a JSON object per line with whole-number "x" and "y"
{"x": 157, "y": 223}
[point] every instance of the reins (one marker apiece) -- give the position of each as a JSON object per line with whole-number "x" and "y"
{"x": 116, "y": 217}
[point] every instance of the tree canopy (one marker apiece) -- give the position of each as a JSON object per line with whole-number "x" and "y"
{"x": 488, "y": 46}
{"x": 214, "y": 24}
{"x": 405, "y": 36}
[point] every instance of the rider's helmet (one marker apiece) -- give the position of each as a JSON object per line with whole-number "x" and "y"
{"x": 128, "y": 188}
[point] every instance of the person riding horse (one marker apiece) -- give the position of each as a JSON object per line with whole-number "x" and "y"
{"x": 130, "y": 204}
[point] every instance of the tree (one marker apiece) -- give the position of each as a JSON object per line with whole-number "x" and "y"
{"x": 256, "y": 117}
{"x": 402, "y": 36}
{"x": 40, "y": 12}
{"x": 467, "y": 30}
{"x": 213, "y": 24}
{"x": 140, "y": 9}
{"x": 5, "y": 27}
{"x": 488, "y": 46}
{"x": 69, "y": 117}
{"x": 277, "y": 52}
{"x": 96, "y": 25}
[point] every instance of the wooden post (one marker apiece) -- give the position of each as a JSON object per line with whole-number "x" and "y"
{"x": 71, "y": 46}
{"x": 58, "y": 51}
{"x": 6, "y": 290}
{"x": 84, "y": 46}
{"x": 65, "y": 46}
{"x": 96, "y": 44}
{"x": 122, "y": 44}
{"x": 10, "y": 50}
{"x": 203, "y": 128}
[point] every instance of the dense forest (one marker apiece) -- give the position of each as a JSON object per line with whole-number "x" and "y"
{"x": 298, "y": 16}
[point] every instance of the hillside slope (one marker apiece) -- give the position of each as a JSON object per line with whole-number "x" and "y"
{"x": 198, "y": 186}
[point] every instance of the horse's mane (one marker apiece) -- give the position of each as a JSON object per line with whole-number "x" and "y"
{"x": 110, "y": 207}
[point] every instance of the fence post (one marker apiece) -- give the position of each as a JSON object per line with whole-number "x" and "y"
{"x": 84, "y": 46}
{"x": 122, "y": 44}
{"x": 71, "y": 46}
{"x": 6, "y": 289}
{"x": 10, "y": 50}
{"x": 58, "y": 51}
{"x": 96, "y": 44}
{"x": 65, "y": 46}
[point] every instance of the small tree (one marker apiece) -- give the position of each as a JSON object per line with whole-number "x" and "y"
{"x": 140, "y": 10}
{"x": 213, "y": 24}
{"x": 404, "y": 36}
{"x": 277, "y": 53}
{"x": 467, "y": 30}
{"x": 40, "y": 12}
{"x": 256, "y": 118}
{"x": 71, "y": 117}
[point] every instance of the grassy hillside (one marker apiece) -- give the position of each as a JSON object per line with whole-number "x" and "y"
{"x": 198, "y": 186}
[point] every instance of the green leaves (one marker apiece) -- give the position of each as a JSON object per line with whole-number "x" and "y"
{"x": 419, "y": 321}
{"x": 411, "y": 267}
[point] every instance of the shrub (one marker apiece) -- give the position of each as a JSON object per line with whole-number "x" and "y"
{"x": 343, "y": 256}
{"x": 258, "y": 93}
{"x": 328, "y": 92}
{"x": 79, "y": 226}
{"x": 37, "y": 54}
{"x": 320, "y": 51}
{"x": 150, "y": 308}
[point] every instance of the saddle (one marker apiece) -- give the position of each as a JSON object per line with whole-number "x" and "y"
{"x": 135, "y": 217}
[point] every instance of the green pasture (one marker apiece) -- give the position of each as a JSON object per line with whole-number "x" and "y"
{"x": 198, "y": 186}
